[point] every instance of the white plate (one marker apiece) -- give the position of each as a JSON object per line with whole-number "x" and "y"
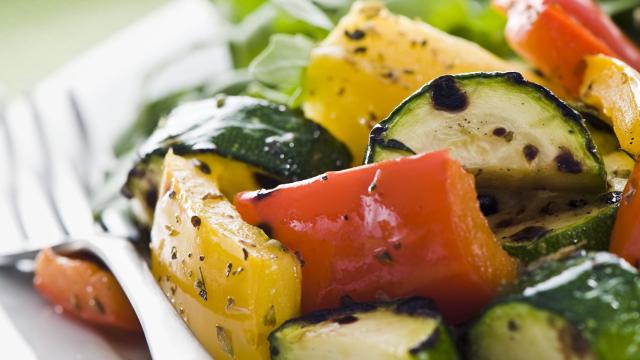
{"x": 108, "y": 81}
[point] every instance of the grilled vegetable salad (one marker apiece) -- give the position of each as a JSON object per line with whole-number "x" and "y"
{"x": 378, "y": 187}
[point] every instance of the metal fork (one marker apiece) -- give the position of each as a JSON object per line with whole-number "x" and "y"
{"x": 43, "y": 203}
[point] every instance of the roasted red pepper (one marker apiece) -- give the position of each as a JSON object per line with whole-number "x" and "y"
{"x": 84, "y": 289}
{"x": 546, "y": 35}
{"x": 593, "y": 18}
{"x": 404, "y": 227}
{"x": 625, "y": 238}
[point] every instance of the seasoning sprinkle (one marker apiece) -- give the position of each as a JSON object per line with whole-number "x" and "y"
{"x": 374, "y": 182}
{"x": 355, "y": 35}
{"x": 383, "y": 256}
{"x": 230, "y": 303}
{"x": 224, "y": 339}
{"x": 75, "y": 302}
{"x": 202, "y": 166}
{"x": 227, "y": 271}
{"x": 269, "y": 318}
{"x": 201, "y": 257}
{"x": 171, "y": 230}
{"x": 174, "y": 253}
{"x": 200, "y": 284}
{"x": 97, "y": 305}
{"x": 245, "y": 254}
{"x": 195, "y": 221}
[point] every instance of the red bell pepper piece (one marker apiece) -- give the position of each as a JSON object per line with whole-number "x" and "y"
{"x": 594, "y": 19}
{"x": 404, "y": 227}
{"x": 549, "y": 38}
{"x": 625, "y": 238}
{"x": 85, "y": 290}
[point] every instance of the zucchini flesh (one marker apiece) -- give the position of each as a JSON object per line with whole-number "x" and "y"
{"x": 250, "y": 142}
{"x": 504, "y": 330}
{"x": 403, "y": 329}
{"x": 597, "y": 297}
{"x": 548, "y": 223}
{"x": 507, "y": 131}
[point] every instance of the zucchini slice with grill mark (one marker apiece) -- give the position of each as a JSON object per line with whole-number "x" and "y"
{"x": 509, "y": 132}
{"x": 402, "y": 329}
{"x": 249, "y": 143}
{"x": 586, "y": 225}
{"x": 535, "y": 224}
{"x": 578, "y": 307}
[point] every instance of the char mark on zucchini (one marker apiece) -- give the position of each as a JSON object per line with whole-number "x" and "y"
{"x": 408, "y": 329}
{"x": 511, "y": 133}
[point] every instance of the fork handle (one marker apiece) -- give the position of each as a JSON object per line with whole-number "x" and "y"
{"x": 168, "y": 337}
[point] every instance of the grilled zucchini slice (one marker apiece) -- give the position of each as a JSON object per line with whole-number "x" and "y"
{"x": 582, "y": 223}
{"x": 509, "y": 132}
{"x": 403, "y": 329}
{"x": 246, "y": 142}
{"x": 579, "y": 307}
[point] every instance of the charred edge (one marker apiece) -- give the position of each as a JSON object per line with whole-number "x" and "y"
{"x": 428, "y": 343}
{"x": 488, "y": 205}
{"x": 577, "y": 203}
{"x": 263, "y": 194}
{"x": 265, "y": 181}
{"x": 417, "y": 306}
{"x": 573, "y": 342}
{"x": 395, "y": 145}
{"x": 611, "y": 198}
{"x": 266, "y": 227}
{"x": 151, "y": 198}
{"x": 505, "y": 223}
{"x": 329, "y": 315}
{"x": 447, "y": 96}
{"x": 376, "y": 138}
{"x": 530, "y": 233}
{"x": 347, "y": 319}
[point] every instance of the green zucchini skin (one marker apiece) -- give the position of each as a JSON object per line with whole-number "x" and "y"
{"x": 553, "y": 222}
{"x": 279, "y": 143}
{"x": 592, "y": 307}
{"x": 510, "y": 133}
{"x": 402, "y": 329}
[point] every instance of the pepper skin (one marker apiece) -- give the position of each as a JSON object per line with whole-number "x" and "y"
{"x": 405, "y": 227}
{"x": 229, "y": 281}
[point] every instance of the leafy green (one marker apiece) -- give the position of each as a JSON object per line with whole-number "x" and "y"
{"x": 281, "y": 67}
{"x": 306, "y": 11}
{"x": 237, "y": 10}
{"x": 251, "y": 36}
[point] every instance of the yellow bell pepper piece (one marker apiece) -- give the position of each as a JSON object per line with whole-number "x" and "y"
{"x": 229, "y": 281}
{"x": 373, "y": 60}
{"x": 613, "y": 88}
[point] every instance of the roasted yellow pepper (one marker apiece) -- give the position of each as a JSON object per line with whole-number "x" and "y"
{"x": 229, "y": 281}
{"x": 373, "y": 60}
{"x": 613, "y": 88}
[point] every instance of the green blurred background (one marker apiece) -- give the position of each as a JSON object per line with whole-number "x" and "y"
{"x": 38, "y": 36}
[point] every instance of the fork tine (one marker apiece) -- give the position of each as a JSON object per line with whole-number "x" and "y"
{"x": 68, "y": 200}
{"x": 12, "y": 229}
{"x": 85, "y": 170}
{"x": 31, "y": 203}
